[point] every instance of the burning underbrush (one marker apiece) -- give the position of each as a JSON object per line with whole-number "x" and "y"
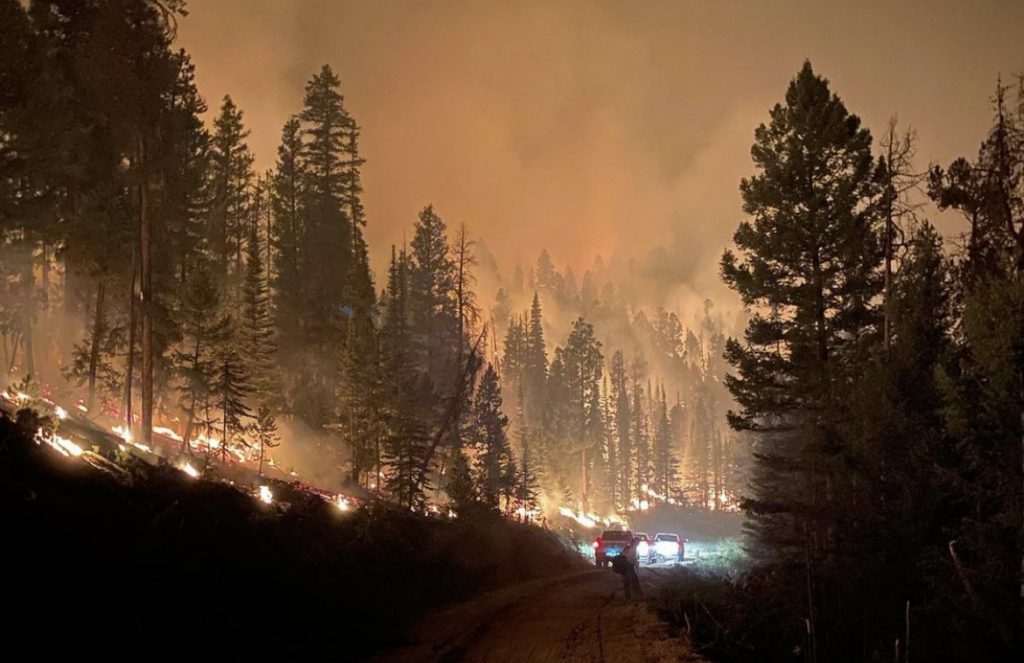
{"x": 147, "y": 560}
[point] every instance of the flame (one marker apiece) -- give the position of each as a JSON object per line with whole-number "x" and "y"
{"x": 265, "y": 495}
{"x": 525, "y": 514}
{"x": 62, "y": 444}
{"x": 126, "y": 435}
{"x": 342, "y": 503}
{"x": 652, "y": 493}
{"x": 639, "y": 505}
{"x": 578, "y": 517}
{"x": 82, "y": 407}
{"x": 60, "y": 412}
{"x": 211, "y": 442}
{"x": 167, "y": 432}
{"x": 189, "y": 470}
{"x": 19, "y": 396}
{"x": 615, "y": 519}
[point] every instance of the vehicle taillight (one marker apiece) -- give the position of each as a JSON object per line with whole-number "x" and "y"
{"x": 597, "y": 543}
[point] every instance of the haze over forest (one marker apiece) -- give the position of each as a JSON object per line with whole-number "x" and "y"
{"x": 594, "y": 128}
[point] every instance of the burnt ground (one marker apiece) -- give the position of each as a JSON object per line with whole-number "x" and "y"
{"x": 131, "y": 561}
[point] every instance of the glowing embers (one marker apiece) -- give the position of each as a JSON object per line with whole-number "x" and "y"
{"x": 265, "y": 495}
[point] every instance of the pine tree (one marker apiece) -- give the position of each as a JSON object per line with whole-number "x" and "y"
{"x": 362, "y": 392}
{"x": 288, "y": 229}
{"x": 186, "y": 185}
{"x": 231, "y": 390}
{"x": 406, "y": 439}
{"x": 610, "y": 479}
{"x": 329, "y": 132}
{"x": 231, "y": 176}
{"x": 493, "y": 452}
{"x": 256, "y": 333}
{"x": 432, "y": 304}
{"x": 623, "y": 425}
{"x": 466, "y": 310}
{"x": 904, "y": 458}
{"x": 640, "y": 433}
{"x": 264, "y": 431}
{"x": 665, "y": 473}
{"x": 501, "y": 312}
{"x": 462, "y": 495}
{"x": 582, "y": 365}
{"x": 205, "y": 330}
{"x": 985, "y": 392}
{"x": 359, "y": 282}
{"x": 811, "y": 252}
{"x": 514, "y": 354}
{"x": 527, "y": 489}
{"x": 535, "y": 366}
{"x": 544, "y": 276}
{"x": 328, "y": 275}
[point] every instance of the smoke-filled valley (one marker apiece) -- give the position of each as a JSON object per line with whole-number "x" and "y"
{"x": 249, "y": 323}
{"x": 473, "y": 336}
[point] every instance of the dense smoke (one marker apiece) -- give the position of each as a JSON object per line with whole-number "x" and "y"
{"x": 595, "y": 128}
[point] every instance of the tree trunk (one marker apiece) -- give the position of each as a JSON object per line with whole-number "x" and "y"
{"x": 187, "y": 438}
{"x": 27, "y": 317}
{"x": 224, "y": 435}
{"x": 584, "y": 498}
{"x": 186, "y": 447}
{"x": 26, "y": 340}
{"x": 44, "y": 286}
{"x": 130, "y": 359}
{"x": 15, "y": 344}
{"x": 97, "y": 335}
{"x": 890, "y": 202}
{"x": 146, "y": 293}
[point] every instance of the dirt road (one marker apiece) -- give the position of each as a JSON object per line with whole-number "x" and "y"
{"x": 579, "y": 617}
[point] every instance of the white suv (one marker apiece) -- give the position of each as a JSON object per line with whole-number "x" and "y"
{"x": 667, "y": 547}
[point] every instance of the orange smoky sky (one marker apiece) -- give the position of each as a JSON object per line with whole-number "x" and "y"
{"x": 589, "y": 128}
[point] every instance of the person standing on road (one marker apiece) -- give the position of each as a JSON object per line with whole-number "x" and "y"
{"x": 631, "y": 574}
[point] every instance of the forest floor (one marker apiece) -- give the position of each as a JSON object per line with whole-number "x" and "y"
{"x": 125, "y": 559}
{"x": 576, "y": 617}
